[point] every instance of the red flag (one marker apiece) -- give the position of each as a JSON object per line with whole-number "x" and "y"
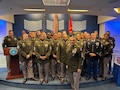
{"x": 70, "y": 25}
{"x": 55, "y": 23}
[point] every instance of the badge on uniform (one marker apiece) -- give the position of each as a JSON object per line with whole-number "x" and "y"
{"x": 97, "y": 43}
{"x": 88, "y": 43}
{"x": 15, "y": 39}
{"x": 39, "y": 45}
{"x": 106, "y": 43}
{"x": 46, "y": 45}
{"x": 80, "y": 49}
{"x": 23, "y": 44}
{"x": 57, "y": 49}
{"x": 9, "y": 39}
{"x": 74, "y": 50}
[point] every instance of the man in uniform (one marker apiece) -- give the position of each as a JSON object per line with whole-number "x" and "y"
{"x": 9, "y": 41}
{"x": 74, "y": 63}
{"x": 112, "y": 40}
{"x": 25, "y": 56}
{"x": 49, "y": 39}
{"x": 42, "y": 52}
{"x": 61, "y": 56}
{"x": 85, "y": 40}
{"x": 35, "y": 67}
{"x": 106, "y": 54}
{"x": 93, "y": 50}
{"x": 54, "y": 45}
{"x": 80, "y": 44}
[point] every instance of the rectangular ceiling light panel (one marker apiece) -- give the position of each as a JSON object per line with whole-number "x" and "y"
{"x": 56, "y": 2}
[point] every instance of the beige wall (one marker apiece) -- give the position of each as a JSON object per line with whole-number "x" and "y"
{"x": 101, "y": 22}
{"x": 9, "y": 26}
{"x": 102, "y": 29}
{"x": 103, "y": 19}
{"x": 8, "y": 18}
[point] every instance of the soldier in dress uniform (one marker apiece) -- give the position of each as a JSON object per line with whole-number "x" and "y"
{"x": 93, "y": 50}
{"x": 106, "y": 54}
{"x": 9, "y": 41}
{"x": 79, "y": 42}
{"x": 85, "y": 56}
{"x": 54, "y": 45}
{"x": 49, "y": 39}
{"x": 33, "y": 38}
{"x": 61, "y": 56}
{"x": 42, "y": 52}
{"x": 74, "y": 63}
{"x": 112, "y": 40}
{"x": 25, "y": 49}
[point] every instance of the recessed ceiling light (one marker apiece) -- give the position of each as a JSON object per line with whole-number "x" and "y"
{"x": 35, "y": 10}
{"x": 56, "y": 2}
{"x": 117, "y": 10}
{"x": 76, "y": 10}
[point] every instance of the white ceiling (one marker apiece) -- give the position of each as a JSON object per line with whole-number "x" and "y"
{"x": 95, "y": 7}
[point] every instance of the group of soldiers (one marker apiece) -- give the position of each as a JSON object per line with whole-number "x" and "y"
{"x": 65, "y": 56}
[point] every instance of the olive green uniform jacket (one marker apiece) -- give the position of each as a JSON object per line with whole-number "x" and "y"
{"x": 74, "y": 61}
{"x": 42, "y": 48}
{"x": 25, "y": 47}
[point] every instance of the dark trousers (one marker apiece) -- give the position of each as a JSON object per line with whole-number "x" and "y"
{"x": 101, "y": 66}
{"x": 35, "y": 67}
{"x": 84, "y": 67}
{"x": 110, "y": 67}
{"x": 53, "y": 66}
{"x": 92, "y": 66}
